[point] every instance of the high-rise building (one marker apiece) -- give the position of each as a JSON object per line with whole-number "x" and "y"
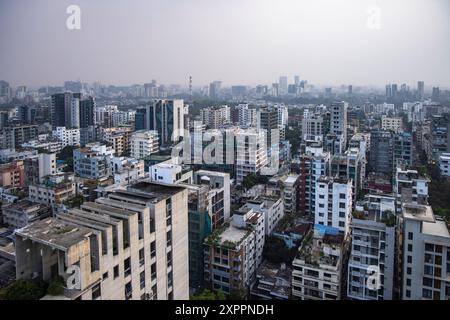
{"x": 164, "y": 116}
{"x": 435, "y": 94}
{"x": 420, "y": 89}
{"x": 214, "y": 89}
{"x": 372, "y": 254}
{"x": 425, "y": 254}
{"x": 283, "y": 85}
{"x": 87, "y": 112}
{"x": 131, "y": 245}
{"x": 381, "y": 152}
{"x": 338, "y": 121}
{"x": 333, "y": 203}
{"x": 215, "y": 117}
{"x": 65, "y": 110}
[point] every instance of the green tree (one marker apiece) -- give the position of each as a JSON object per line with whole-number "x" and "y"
{"x": 23, "y": 290}
{"x": 209, "y": 295}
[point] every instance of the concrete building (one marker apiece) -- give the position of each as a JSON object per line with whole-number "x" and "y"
{"x": 319, "y": 267}
{"x": 233, "y": 253}
{"x": 425, "y": 254}
{"x": 313, "y": 128}
{"x": 129, "y": 246}
{"x": 170, "y": 173}
{"x": 93, "y": 161}
{"x": 333, "y": 205}
{"x": 9, "y": 155}
{"x": 119, "y": 138}
{"x": 68, "y": 137}
{"x": 144, "y": 143}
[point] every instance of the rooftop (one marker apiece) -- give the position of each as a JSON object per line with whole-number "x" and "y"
{"x": 54, "y": 233}
{"x": 418, "y": 212}
{"x": 152, "y": 191}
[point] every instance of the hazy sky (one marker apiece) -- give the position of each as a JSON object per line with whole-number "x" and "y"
{"x": 236, "y": 41}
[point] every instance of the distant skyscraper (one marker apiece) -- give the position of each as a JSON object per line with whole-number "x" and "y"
{"x": 339, "y": 120}
{"x": 283, "y": 85}
{"x": 214, "y": 89}
{"x": 87, "y": 109}
{"x": 420, "y": 89}
{"x": 394, "y": 91}
{"x": 65, "y": 110}
{"x": 73, "y": 86}
{"x": 436, "y": 94}
{"x": 388, "y": 91}
{"x": 297, "y": 80}
{"x": 350, "y": 89}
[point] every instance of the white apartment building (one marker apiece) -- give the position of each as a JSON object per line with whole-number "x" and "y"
{"x": 312, "y": 128}
{"x": 68, "y": 137}
{"x": 132, "y": 245}
{"x": 144, "y": 143}
{"x": 425, "y": 254}
{"x": 215, "y": 117}
{"x": 333, "y": 205}
{"x": 251, "y": 153}
{"x": 394, "y": 124}
{"x": 272, "y": 209}
{"x": 126, "y": 170}
{"x": 283, "y": 115}
{"x": 247, "y": 116}
{"x": 318, "y": 267}
{"x": 444, "y": 164}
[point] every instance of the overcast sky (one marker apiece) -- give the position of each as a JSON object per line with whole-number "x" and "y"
{"x": 236, "y": 41}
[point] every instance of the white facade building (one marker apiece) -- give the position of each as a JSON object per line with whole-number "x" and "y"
{"x": 334, "y": 203}
{"x": 144, "y": 143}
{"x": 68, "y": 137}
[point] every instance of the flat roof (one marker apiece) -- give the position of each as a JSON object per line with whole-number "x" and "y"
{"x": 233, "y": 234}
{"x": 438, "y": 228}
{"x": 55, "y": 233}
{"x": 418, "y": 212}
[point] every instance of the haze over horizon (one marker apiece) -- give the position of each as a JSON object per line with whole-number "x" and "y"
{"x": 237, "y": 41}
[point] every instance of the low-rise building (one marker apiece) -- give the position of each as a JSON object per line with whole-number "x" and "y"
{"x": 93, "y": 161}
{"x": 273, "y": 282}
{"x": 24, "y": 212}
{"x": 54, "y": 190}
{"x": 12, "y": 175}
{"x": 67, "y": 136}
{"x": 444, "y": 164}
{"x": 144, "y": 143}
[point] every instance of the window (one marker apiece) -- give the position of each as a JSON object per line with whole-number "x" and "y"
{"x": 96, "y": 292}
{"x": 127, "y": 267}
{"x": 153, "y": 249}
{"x": 408, "y": 293}
{"x": 408, "y": 270}
{"x": 141, "y": 257}
{"x": 409, "y": 259}
{"x": 410, "y": 235}
{"x": 153, "y": 271}
{"x": 427, "y": 293}
{"x": 408, "y": 282}
{"x": 142, "y": 280}
{"x": 128, "y": 291}
{"x": 105, "y": 276}
{"x": 427, "y": 282}
{"x": 342, "y": 196}
{"x": 116, "y": 271}
{"x": 410, "y": 247}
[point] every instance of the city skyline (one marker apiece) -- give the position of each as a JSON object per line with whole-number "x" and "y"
{"x": 325, "y": 42}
